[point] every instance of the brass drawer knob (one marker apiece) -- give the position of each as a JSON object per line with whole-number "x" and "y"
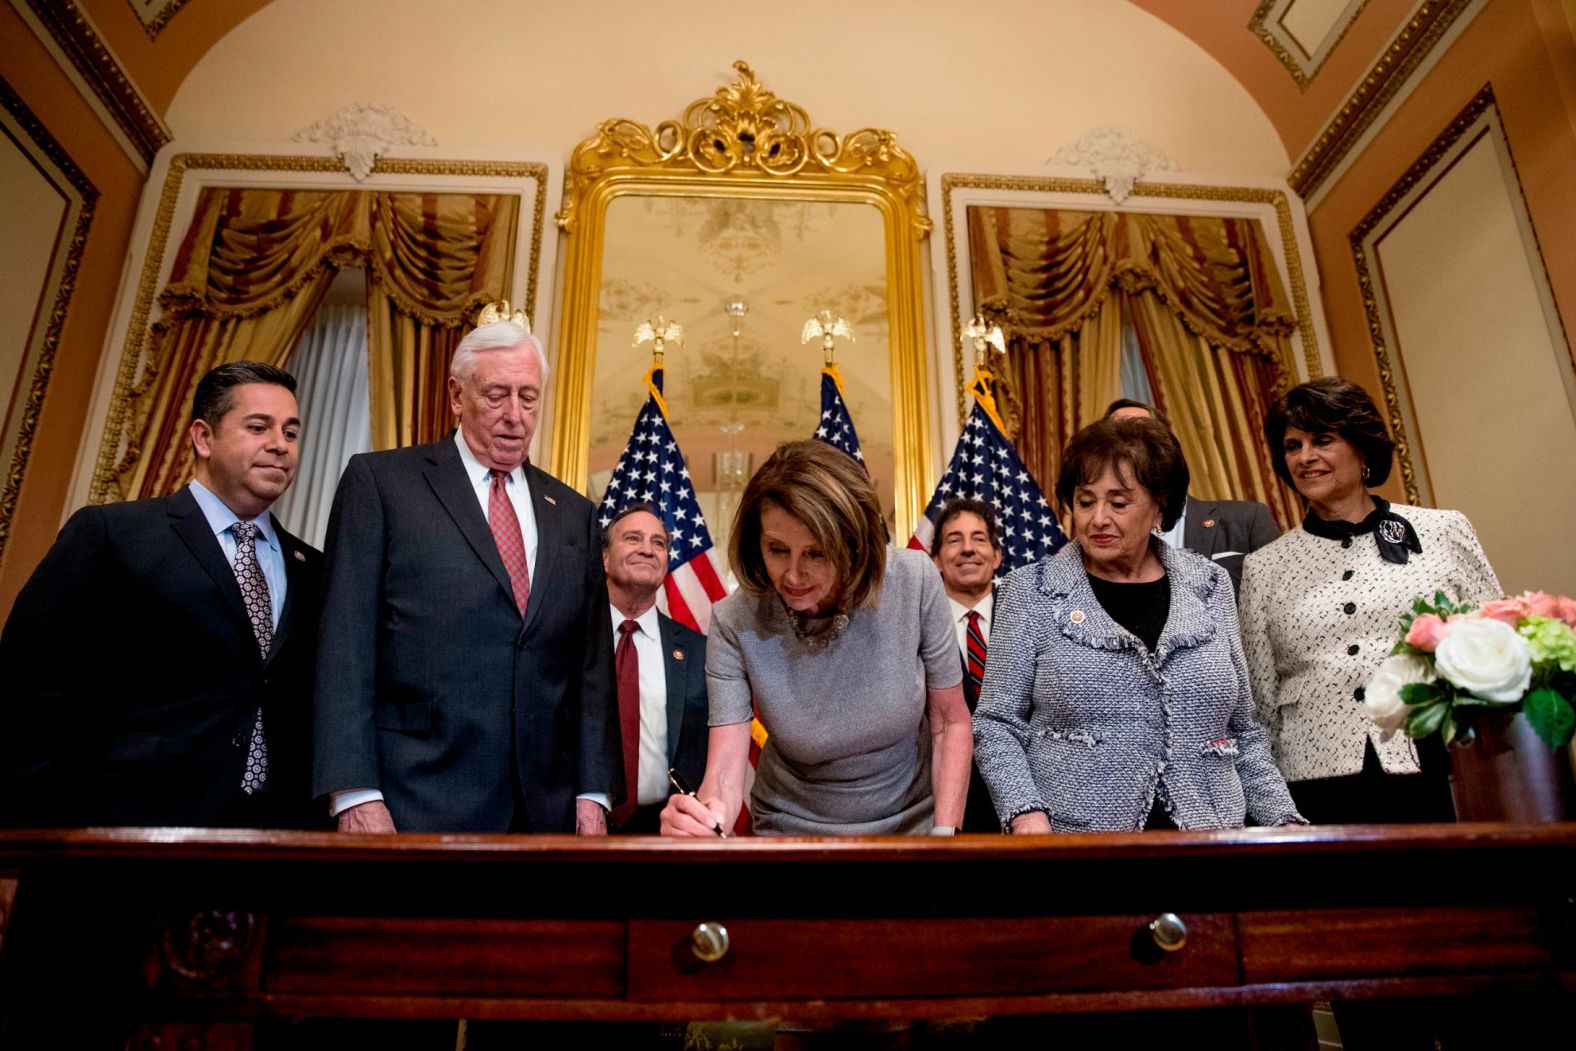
{"x": 709, "y": 942}
{"x": 1168, "y": 931}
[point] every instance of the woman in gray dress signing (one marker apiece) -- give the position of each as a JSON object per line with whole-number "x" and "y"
{"x": 846, "y": 647}
{"x": 1118, "y": 698}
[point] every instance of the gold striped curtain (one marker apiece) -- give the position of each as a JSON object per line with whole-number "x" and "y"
{"x": 1200, "y": 291}
{"x": 252, "y": 270}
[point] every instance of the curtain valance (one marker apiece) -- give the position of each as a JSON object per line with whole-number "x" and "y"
{"x": 1047, "y": 271}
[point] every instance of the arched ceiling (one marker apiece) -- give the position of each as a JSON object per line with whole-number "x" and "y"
{"x": 995, "y": 82}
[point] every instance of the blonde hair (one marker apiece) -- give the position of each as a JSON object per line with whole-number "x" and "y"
{"x": 831, "y": 494}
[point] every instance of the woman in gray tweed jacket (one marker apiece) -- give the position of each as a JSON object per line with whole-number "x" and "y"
{"x": 1118, "y": 696}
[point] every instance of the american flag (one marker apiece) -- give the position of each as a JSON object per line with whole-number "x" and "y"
{"x": 986, "y": 467}
{"x": 651, "y": 469}
{"x": 837, "y": 426}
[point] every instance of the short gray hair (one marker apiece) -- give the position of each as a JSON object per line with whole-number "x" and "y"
{"x": 499, "y": 335}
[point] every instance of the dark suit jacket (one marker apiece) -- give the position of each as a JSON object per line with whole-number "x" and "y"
{"x": 688, "y": 714}
{"x": 1239, "y": 527}
{"x": 132, "y": 678}
{"x": 431, "y": 687}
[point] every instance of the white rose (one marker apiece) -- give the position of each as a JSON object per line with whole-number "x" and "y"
{"x": 1487, "y": 659}
{"x": 1382, "y": 696}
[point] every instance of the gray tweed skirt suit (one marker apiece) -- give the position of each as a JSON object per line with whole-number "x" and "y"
{"x": 1077, "y": 718}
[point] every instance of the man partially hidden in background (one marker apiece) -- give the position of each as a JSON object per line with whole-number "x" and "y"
{"x": 157, "y": 665}
{"x": 465, "y": 682}
{"x": 660, "y": 667}
{"x": 968, "y": 552}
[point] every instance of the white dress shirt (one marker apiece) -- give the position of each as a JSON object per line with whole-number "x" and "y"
{"x": 651, "y": 781}
{"x": 960, "y": 618}
{"x": 270, "y": 555}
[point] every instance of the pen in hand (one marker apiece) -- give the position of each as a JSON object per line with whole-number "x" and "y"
{"x": 685, "y": 790}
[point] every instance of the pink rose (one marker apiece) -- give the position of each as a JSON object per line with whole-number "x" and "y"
{"x": 1542, "y": 603}
{"x": 1426, "y": 632}
{"x": 1506, "y": 610}
{"x": 1568, "y": 611}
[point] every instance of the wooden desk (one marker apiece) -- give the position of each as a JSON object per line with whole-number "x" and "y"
{"x": 170, "y": 924}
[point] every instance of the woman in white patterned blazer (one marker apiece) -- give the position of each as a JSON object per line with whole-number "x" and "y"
{"x": 1118, "y": 698}
{"x": 1320, "y": 609}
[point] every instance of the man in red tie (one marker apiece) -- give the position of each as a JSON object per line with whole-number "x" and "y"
{"x": 660, "y": 666}
{"x": 465, "y": 676}
{"x": 968, "y": 553}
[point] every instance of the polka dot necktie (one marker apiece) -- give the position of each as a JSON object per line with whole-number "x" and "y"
{"x": 260, "y": 611}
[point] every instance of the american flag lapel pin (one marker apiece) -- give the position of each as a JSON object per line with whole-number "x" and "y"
{"x": 549, "y": 499}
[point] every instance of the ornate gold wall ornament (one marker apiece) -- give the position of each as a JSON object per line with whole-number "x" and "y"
{"x": 952, "y": 181}
{"x": 119, "y": 450}
{"x": 1266, "y": 21}
{"x": 75, "y": 35}
{"x": 1437, "y": 151}
{"x": 743, "y": 142}
{"x": 37, "y": 365}
{"x": 744, "y": 129}
{"x": 1389, "y": 74}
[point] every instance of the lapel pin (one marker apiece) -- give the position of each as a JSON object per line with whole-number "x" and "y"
{"x": 549, "y": 499}
{"x": 1209, "y": 523}
{"x": 678, "y": 655}
{"x": 1076, "y": 616}
{"x": 299, "y": 557}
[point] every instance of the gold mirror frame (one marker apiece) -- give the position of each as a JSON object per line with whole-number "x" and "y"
{"x": 745, "y": 142}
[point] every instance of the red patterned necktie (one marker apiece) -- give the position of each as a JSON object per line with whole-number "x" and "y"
{"x": 505, "y": 526}
{"x": 260, "y": 611}
{"x": 626, "y": 663}
{"x": 976, "y": 654}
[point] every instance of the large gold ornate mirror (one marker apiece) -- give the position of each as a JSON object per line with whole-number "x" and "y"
{"x": 741, "y": 221}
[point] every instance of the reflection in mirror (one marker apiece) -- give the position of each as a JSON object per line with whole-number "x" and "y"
{"x": 741, "y": 201}
{"x": 741, "y": 275}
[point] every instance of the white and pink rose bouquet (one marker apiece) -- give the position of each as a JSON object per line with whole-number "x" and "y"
{"x": 1455, "y": 660}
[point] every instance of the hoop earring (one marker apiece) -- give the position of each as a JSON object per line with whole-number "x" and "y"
{"x": 1365, "y": 474}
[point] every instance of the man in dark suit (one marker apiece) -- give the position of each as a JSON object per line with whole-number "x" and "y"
{"x": 660, "y": 667}
{"x": 1224, "y": 531}
{"x": 465, "y": 679}
{"x": 157, "y": 665}
{"x": 967, "y": 550}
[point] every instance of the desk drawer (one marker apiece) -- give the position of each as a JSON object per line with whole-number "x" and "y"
{"x": 445, "y": 957}
{"x": 815, "y": 959}
{"x": 1377, "y": 943}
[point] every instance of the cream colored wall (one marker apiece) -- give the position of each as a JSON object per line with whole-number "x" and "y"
{"x": 29, "y": 228}
{"x": 1492, "y": 389}
{"x": 1002, "y": 83}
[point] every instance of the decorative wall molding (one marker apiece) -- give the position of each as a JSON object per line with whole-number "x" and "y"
{"x": 1268, "y": 25}
{"x": 168, "y": 202}
{"x": 1272, "y": 206}
{"x": 364, "y": 131}
{"x": 22, "y": 405}
{"x": 1407, "y": 50}
{"x": 155, "y": 14}
{"x": 1116, "y": 157}
{"x": 1441, "y": 151}
{"x": 74, "y": 34}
